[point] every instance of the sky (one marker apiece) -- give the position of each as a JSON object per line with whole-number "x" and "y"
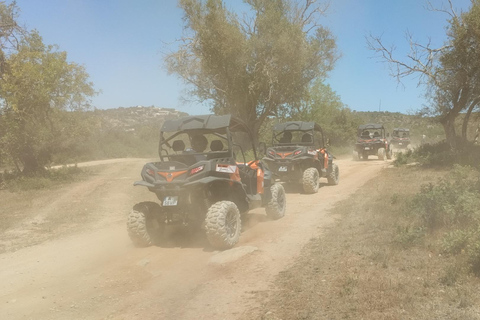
{"x": 121, "y": 44}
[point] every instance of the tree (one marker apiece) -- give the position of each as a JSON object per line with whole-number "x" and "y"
{"x": 41, "y": 99}
{"x": 252, "y": 67}
{"x": 10, "y": 31}
{"x": 450, "y": 73}
{"x": 325, "y": 107}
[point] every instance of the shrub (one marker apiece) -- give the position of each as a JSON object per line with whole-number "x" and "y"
{"x": 455, "y": 241}
{"x": 452, "y": 201}
{"x": 441, "y": 155}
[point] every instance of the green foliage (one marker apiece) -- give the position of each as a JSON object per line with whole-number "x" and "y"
{"x": 252, "y": 67}
{"x": 455, "y": 241}
{"x": 441, "y": 155}
{"x": 453, "y": 201}
{"x": 42, "y": 98}
{"x": 324, "y": 107}
{"x": 450, "y": 206}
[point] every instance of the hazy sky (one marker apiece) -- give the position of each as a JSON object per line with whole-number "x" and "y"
{"x": 121, "y": 44}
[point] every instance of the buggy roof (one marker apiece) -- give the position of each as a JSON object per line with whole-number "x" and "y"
{"x": 370, "y": 126}
{"x": 401, "y": 129}
{"x": 297, "y": 126}
{"x": 206, "y": 122}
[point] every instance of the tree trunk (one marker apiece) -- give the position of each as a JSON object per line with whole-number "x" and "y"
{"x": 448, "y": 124}
{"x": 30, "y": 162}
{"x": 467, "y": 118}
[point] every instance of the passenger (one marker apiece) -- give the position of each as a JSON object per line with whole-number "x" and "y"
{"x": 307, "y": 138}
{"x": 199, "y": 143}
{"x": 286, "y": 138}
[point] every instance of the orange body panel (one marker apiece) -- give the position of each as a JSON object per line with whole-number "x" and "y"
{"x": 169, "y": 176}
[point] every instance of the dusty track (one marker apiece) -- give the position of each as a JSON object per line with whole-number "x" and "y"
{"x": 99, "y": 274}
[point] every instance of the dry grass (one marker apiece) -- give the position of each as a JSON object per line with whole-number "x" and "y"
{"x": 375, "y": 264}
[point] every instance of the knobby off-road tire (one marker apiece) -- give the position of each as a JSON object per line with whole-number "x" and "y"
{"x": 223, "y": 224}
{"x": 143, "y": 226}
{"x": 334, "y": 176}
{"x": 381, "y": 153}
{"x": 310, "y": 180}
{"x": 278, "y": 203}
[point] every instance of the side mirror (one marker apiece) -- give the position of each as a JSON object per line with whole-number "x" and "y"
{"x": 262, "y": 149}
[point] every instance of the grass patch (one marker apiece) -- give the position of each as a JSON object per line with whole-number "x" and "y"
{"x": 383, "y": 259}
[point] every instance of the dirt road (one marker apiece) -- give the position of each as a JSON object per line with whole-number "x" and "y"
{"x": 99, "y": 274}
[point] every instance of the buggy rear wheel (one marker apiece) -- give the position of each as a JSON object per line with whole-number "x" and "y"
{"x": 144, "y": 224}
{"x": 310, "y": 180}
{"x": 278, "y": 203}
{"x": 334, "y": 176}
{"x": 223, "y": 224}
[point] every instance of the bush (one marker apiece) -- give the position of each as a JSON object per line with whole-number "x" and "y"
{"x": 451, "y": 206}
{"x": 454, "y": 242}
{"x": 441, "y": 155}
{"x": 451, "y": 202}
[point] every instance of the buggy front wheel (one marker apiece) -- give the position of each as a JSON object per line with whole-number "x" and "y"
{"x": 278, "y": 203}
{"x": 334, "y": 176}
{"x": 310, "y": 180}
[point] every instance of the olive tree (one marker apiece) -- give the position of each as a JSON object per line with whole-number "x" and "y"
{"x": 254, "y": 65}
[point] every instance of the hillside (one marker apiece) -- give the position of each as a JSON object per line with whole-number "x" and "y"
{"x": 132, "y": 117}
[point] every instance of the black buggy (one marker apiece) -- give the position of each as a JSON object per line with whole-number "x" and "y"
{"x": 200, "y": 184}
{"x": 372, "y": 141}
{"x": 400, "y": 138}
{"x": 299, "y": 155}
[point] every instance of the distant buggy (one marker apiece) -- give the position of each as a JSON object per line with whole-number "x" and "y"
{"x": 299, "y": 155}
{"x": 372, "y": 141}
{"x": 200, "y": 184}
{"x": 400, "y": 138}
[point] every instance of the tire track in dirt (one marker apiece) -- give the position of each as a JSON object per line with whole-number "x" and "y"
{"x": 99, "y": 274}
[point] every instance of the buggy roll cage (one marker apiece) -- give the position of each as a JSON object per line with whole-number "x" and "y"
{"x": 220, "y": 126}
{"x": 371, "y": 126}
{"x": 307, "y": 127}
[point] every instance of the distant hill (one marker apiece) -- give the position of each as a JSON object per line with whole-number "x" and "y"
{"x": 130, "y": 118}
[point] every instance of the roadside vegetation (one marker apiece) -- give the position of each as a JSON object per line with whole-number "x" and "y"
{"x": 407, "y": 246}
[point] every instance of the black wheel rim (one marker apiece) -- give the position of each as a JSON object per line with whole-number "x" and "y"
{"x": 231, "y": 223}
